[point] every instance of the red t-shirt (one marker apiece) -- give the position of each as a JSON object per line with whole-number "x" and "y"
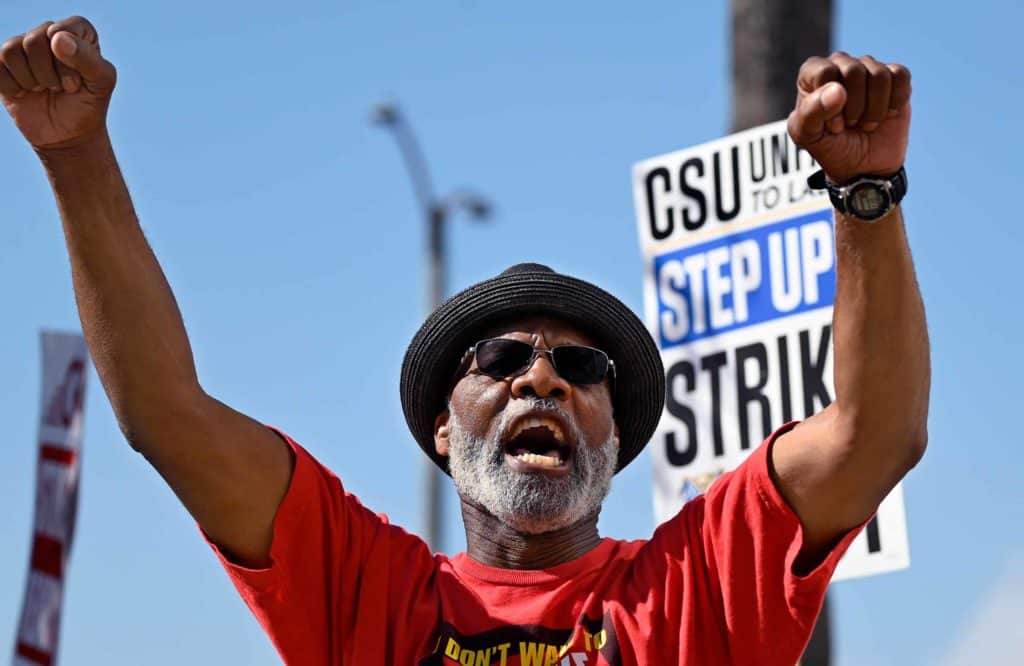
{"x": 714, "y": 585}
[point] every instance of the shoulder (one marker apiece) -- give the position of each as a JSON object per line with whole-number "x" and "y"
{"x": 742, "y": 499}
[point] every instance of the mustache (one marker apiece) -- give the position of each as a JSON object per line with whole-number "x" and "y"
{"x": 521, "y": 406}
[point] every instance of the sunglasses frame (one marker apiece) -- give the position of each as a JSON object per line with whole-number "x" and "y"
{"x": 609, "y": 371}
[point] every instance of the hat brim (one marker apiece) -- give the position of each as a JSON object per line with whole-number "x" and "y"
{"x": 437, "y": 348}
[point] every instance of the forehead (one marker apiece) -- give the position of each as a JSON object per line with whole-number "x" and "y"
{"x": 547, "y": 329}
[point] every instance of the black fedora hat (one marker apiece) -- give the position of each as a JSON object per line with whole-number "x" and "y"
{"x": 523, "y": 290}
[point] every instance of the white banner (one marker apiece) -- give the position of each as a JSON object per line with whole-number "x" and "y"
{"x": 739, "y": 280}
{"x": 57, "y": 476}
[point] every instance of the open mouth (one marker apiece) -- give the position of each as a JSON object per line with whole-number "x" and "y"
{"x": 538, "y": 443}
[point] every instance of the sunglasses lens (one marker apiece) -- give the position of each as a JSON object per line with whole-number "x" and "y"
{"x": 580, "y": 365}
{"x": 501, "y": 357}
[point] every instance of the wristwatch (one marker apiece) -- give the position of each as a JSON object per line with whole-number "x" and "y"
{"x": 866, "y": 197}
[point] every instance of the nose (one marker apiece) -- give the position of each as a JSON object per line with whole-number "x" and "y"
{"x": 541, "y": 380}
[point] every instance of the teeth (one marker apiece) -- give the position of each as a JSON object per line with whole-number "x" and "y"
{"x": 536, "y": 459}
{"x": 539, "y": 422}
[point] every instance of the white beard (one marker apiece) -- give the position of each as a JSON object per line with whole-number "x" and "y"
{"x": 531, "y": 503}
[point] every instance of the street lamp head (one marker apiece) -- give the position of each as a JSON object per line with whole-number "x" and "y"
{"x": 384, "y": 113}
{"x": 478, "y": 209}
{"x": 474, "y": 205}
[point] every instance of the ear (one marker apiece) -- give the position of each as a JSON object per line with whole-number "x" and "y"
{"x": 441, "y": 433}
{"x": 615, "y": 428}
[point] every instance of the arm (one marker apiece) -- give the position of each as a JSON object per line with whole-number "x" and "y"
{"x": 229, "y": 471}
{"x": 834, "y": 469}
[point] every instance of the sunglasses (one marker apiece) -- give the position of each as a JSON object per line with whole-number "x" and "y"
{"x": 502, "y": 358}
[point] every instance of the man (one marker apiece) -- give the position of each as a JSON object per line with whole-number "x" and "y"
{"x": 531, "y": 389}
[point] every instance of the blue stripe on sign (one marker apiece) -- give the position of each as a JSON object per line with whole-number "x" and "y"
{"x": 746, "y": 278}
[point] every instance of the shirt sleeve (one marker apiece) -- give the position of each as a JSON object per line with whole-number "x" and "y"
{"x": 750, "y": 538}
{"x": 342, "y": 580}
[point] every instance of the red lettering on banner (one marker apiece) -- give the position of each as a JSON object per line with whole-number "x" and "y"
{"x": 67, "y": 398}
{"x": 31, "y": 653}
{"x": 48, "y": 556}
{"x": 56, "y": 453}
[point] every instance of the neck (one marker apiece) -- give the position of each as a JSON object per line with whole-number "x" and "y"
{"x": 493, "y": 543}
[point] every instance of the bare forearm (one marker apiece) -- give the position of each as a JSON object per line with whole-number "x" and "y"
{"x": 853, "y": 116}
{"x": 229, "y": 470}
{"x": 882, "y": 372}
{"x": 128, "y": 313}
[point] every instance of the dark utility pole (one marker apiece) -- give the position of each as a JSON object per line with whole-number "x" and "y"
{"x": 770, "y": 40}
{"x": 436, "y": 211}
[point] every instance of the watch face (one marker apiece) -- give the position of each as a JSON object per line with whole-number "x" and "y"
{"x": 868, "y": 201}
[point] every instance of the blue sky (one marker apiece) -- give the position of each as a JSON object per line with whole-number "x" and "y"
{"x": 287, "y": 227}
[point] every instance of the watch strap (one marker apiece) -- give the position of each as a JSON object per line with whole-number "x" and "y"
{"x": 899, "y": 185}
{"x": 836, "y": 193}
{"x": 819, "y": 181}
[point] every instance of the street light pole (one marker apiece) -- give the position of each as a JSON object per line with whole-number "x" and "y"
{"x": 436, "y": 212}
{"x": 770, "y": 39}
{"x": 437, "y": 281}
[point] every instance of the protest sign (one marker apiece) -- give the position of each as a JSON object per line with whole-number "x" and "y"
{"x": 57, "y": 476}
{"x": 739, "y": 281}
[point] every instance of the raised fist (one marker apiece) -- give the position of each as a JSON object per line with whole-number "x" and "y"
{"x": 55, "y": 84}
{"x": 852, "y": 115}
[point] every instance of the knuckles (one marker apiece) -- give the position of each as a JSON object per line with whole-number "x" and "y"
{"x": 78, "y": 25}
{"x": 841, "y": 66}
{"x": 825, "y": 73}
{"x": 880, "y": 80}
{"x": 854, "y": 70}
{"x": 11, "y": 45}
{"x": 39, "y": 37}
{"x": 31, "y": 39}
{"x": 79, "y": 21}
{"x": 35, "y": 40}
{"x": 900, "y": 72}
